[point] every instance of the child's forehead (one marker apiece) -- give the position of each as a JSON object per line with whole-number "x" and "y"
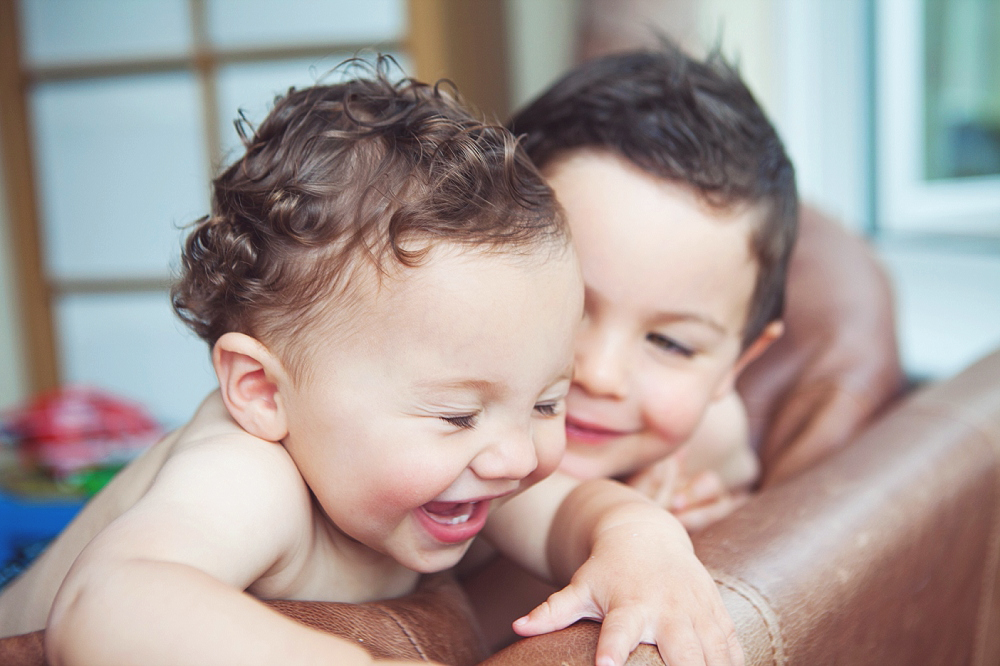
{"x": 601, "y": 179}
{"x": 455, "y": 293}
{"x": 368, "y": 283}
{"x": 641, "y": 237}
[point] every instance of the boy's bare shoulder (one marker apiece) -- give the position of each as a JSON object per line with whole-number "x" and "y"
{"x": 722, "y": 444}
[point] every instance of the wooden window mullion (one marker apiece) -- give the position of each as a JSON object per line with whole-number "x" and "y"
{"x": 34, "y": 297}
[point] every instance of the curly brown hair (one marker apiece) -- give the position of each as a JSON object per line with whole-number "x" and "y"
{"x": 689, "y": 121}
{"x": 362, "y": 173}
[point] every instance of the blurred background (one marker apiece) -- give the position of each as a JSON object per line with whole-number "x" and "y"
{"x": 114, "y": 115}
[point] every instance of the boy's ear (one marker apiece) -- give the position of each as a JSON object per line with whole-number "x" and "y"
{"x": 771, "y": 332}
{"x": 249, "y": 380}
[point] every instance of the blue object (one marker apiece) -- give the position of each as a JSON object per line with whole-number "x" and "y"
{"x": 25, "y": 521}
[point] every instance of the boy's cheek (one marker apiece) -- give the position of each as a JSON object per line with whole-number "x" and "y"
{"x": 673, "y": 415}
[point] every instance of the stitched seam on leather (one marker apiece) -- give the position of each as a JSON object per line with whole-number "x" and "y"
{"x": 753, "y": 597}
{"x": 409, "y": 636}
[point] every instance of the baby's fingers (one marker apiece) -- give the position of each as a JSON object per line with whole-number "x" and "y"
{"x": 736, "y": 656}
{"x": 720, "y": 647}
{"x": 560, "y": 610}
{"x": 621, "y": 632}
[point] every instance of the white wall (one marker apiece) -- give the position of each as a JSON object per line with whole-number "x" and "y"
{"x": 806, "y": 61}
{"x": 541, "y": 37}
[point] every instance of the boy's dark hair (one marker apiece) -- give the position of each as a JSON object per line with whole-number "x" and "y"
{"x": 339, "y": 176}
{"x": 683, "y": 120}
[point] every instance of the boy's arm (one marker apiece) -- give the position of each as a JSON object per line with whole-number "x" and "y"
{"x": 163, "y": 584}
{"x": 628, "y": 562}
{"x": 710, "y": 476}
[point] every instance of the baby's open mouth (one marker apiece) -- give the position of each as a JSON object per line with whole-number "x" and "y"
{"x": 454, "y": 522}
{"x": 449, "y": 513}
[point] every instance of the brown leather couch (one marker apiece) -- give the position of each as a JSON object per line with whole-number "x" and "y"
{"x": 886, "y": 552}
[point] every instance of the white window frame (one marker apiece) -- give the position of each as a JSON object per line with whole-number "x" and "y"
{"x": 906, "y": 202}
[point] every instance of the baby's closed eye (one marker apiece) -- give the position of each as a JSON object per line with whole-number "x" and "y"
{"x": 549, "y": 408}
{"x": 464, "y": 421}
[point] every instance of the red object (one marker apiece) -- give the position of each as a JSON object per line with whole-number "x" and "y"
{"x": 78, "y": 428}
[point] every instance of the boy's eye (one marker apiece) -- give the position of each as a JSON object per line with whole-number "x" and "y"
{"x": 669, "y": 345}
{"x": 548, "y": 408}
{"x": 465, "y": 421}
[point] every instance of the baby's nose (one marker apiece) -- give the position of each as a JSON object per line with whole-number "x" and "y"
{"x": 512, "y": 457}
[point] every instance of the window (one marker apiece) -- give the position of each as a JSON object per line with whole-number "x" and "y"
{"x": 938, "y": 175}
{"x": 129, "y": 109}
{"x": 939, "y": 116}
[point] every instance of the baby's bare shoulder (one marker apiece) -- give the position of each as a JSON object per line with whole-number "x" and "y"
{"x": 209, "y": 474}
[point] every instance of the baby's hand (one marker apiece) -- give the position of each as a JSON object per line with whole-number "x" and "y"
{"x": 697, "y": 501}
{"x": 646, "y": 585}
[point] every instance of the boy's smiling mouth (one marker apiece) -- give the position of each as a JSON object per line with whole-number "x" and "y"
{"x": 589, "y": 433}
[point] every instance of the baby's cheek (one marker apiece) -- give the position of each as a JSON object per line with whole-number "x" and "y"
{"x": 551, "y": 444}
{"x": 409, "y": 488}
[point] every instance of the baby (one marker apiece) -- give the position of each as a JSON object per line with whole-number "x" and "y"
{"x": 683, "y": 208}
{"x": 391, "y": 299}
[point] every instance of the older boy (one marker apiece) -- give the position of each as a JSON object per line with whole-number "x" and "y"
{"x": 391, "y": 300}
{"x": 683, "y": 208}
{"x": 682, "y": 205}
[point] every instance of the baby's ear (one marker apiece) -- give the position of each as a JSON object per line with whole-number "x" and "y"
{"x": 250, "y": 378}
{"x": 771, "y": 332}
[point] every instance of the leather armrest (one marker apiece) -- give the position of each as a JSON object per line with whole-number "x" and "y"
{"x": 884, "y": 553}
{"x": 434, "y": 623}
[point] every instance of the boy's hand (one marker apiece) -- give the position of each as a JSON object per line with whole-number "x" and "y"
{"x": 643, "y": 581}
{"x": 697, "y": 501}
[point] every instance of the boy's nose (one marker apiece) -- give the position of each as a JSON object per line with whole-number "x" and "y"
{"x": 512, "y": 457}
{"x": 599, "y": 365}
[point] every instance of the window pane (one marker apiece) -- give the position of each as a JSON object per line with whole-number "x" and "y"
{"x": 121, "y": 168}
{"x": 60, "y": 31}
{"x": 249, "y": 23}
{"x": 962, "y": 88}
{"x": 135, "y": 346}
{"x": 253, "y": 87}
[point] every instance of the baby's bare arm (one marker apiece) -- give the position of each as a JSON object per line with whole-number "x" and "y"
{"x": 628, "y": 563}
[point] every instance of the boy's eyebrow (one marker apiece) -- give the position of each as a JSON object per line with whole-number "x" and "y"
{"x": 665, "y": 316}
{"x": 483, "y": 386}
{"x": 691, "y": 316}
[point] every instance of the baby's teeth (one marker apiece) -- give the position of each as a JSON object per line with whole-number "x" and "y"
{"x": 448, "y": 513}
